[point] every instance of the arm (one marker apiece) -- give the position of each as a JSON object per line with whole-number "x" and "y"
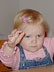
{"x": 8, "y": 50}
{"x": 13, "y": 39}
{"x": 9, "y": 53}
{"x": 10, "y": 59}
{"x": 52, "y": 44}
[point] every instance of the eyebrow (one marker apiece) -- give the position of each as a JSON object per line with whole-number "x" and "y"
{"x": 31, "y": 34}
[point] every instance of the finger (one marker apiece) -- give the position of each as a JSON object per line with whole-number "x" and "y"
{"x": 20, "y": 37}
{"x": 16, "y": 40}
{"x": 13, "y": 38}
{"x": 14, "y": 31}
{"x": 10, "y": 36}
{"x": 18, "y": 32}
{"x": 12, "y": 42}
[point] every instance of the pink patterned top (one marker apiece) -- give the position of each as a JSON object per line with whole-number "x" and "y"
{"x": 13, "y": 60}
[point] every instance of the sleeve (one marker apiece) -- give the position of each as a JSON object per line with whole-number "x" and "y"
{"x": 10, "y": 60}
{"x": 52, "y": 44}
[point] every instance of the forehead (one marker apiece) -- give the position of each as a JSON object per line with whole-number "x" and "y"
{"x": 33, "y": 29}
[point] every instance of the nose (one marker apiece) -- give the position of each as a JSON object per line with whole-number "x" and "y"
{"x": 34, "y": 40}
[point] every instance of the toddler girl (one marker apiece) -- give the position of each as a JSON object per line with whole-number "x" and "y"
{"x": 27, "y": 46}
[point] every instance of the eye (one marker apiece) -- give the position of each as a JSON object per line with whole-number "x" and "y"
{"x": 39, "y": 36}
{"x": 27, "y": 36}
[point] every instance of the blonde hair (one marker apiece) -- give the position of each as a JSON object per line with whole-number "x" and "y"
{"x": 32, "y": 16}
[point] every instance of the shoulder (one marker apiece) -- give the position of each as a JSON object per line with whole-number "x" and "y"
{"x": 49, "y": 41}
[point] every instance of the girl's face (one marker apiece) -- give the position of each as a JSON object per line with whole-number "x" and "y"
{"x": 34, "y": 37}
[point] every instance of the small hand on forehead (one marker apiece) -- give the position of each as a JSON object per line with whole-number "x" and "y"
{"x": 15, "y": 37}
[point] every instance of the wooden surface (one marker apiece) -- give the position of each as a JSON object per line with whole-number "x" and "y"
{"x": 2, "y": 66}
{"x": 40, "y": 69}
{"x": 1, "y": 42}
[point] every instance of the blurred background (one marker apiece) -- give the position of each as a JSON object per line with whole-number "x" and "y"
{"x": 9, "y": 8}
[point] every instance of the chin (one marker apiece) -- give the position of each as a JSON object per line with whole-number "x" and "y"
{"x": 32, "y": 50}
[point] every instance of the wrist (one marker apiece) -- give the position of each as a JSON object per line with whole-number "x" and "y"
{"x": 11, "y": 44}
{"x": 8, "y": 50}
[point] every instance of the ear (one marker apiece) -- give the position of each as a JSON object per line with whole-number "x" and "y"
{"x": 45, "y": 34}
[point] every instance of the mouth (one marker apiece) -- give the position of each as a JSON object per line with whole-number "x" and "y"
{"x": 33, "y": 46}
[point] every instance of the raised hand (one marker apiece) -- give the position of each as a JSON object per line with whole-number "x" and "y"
{"x": 15, "y": 37}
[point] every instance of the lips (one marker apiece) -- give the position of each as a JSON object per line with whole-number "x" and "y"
{"x": 34, "y": 46}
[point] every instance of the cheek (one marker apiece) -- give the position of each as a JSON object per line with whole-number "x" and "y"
{"x": 40, "y": 42}
{"x": 24, "y": 43}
